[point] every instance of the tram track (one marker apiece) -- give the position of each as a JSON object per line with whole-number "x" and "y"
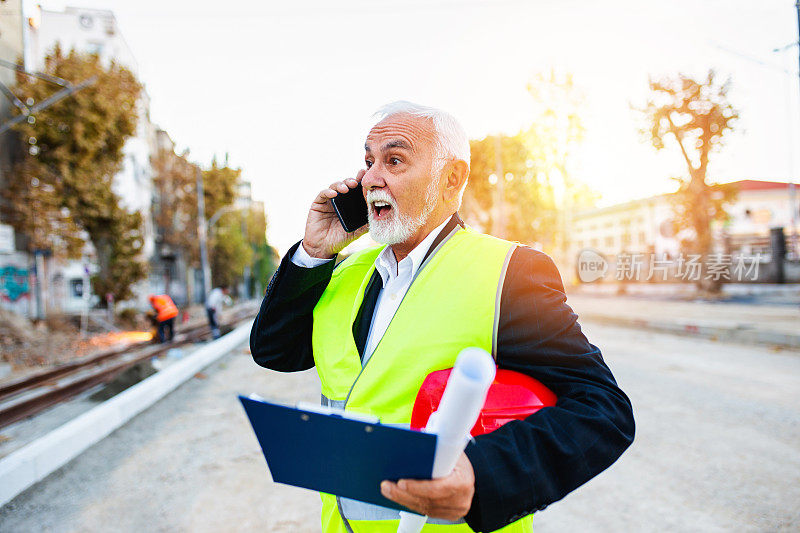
{"x": 30, "y": 395}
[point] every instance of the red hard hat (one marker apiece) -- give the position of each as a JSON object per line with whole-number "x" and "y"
{"x": 512, "y": 396}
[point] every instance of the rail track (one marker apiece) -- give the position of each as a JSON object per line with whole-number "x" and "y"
{"x": 32, "y": 394}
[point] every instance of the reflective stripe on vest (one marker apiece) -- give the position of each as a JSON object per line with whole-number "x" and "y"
{"x": 453, "y": 303}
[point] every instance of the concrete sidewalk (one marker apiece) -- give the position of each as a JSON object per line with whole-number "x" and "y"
{"x": 775, "y": 325}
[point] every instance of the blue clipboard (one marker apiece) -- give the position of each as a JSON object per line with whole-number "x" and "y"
{"x": 327, "y": 452}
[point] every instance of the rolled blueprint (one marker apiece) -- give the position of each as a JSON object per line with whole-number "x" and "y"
{"x": 458, "y": 411}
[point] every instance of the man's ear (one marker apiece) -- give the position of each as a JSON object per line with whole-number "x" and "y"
{"x": 456, "y": 173}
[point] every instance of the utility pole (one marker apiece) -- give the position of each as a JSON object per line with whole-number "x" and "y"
{"x": 26, "y": 38}
{"x": 41, "y": 298}
{"x": 201, "y": 233}
{"x": 85, "y": 295}
{"x": 792, "y": 191}
{"x": 246, "y": 273}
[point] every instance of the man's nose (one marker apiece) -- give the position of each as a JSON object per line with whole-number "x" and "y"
{"x": 372, "y": 179}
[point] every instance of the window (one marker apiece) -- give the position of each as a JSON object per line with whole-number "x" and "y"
{"x": 76, "y": 288}
{"x": 94, "y": 48}
{"x": 86, "y": 21}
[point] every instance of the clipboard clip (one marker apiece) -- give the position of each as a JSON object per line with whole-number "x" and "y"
{"x": 336, "y": 411}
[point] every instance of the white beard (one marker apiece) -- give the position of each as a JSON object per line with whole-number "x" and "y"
{"x": 399, "y": 227}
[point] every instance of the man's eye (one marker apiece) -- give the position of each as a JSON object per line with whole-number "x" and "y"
{"x": 394, "y": 161}
{"x": 369, "y": 163}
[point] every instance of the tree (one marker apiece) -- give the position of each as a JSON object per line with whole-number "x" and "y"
{"x": 537, "y": 184}
{"x": 219, "y": 186}
{"x": 238, "y": 241}
{"x": 266, "y": 263}
{"x": 118, "y": 249}
{"x": 529, "y": 211}
{"x": 238, "y": 238}
{"x": 265, "y": 257}
{"x": 175, "y": 203}
{"x": 696, "y": 115}
{"x": 34, "y": 208}
{"x": 230, "y": 251}
{"x": 256, "y": 224}
{"x": 76, "y": 149}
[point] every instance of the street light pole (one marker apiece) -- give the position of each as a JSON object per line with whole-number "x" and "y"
{"x": 792, "y": 191}
{"x": 202, "y": 232}
{"x": 216, "y": 216}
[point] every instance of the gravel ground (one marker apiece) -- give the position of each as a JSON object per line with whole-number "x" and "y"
{"x": 716, "y": 449}
{"x": 189, "y": 463}
{"x": 717, "y": 443}
{"x": 25, "y": 431}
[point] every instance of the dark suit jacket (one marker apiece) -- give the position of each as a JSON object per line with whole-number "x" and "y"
{"x": 524, "y": 465}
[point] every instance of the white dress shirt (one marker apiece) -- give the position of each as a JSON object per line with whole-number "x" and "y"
{"x": 396, "y": 277}
{"x": 215, "y": 299}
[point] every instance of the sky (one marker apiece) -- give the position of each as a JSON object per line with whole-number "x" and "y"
{"x": 287, "y": 89}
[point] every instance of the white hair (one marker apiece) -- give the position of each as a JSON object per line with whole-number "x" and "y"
{"x": 451, "y": 139}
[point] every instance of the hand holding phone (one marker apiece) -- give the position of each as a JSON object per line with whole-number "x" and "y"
{"x": 325, "y": 234}
{"x": 351, "y": 208}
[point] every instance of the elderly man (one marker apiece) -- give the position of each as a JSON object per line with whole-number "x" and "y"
{"x": 375, "y": 325}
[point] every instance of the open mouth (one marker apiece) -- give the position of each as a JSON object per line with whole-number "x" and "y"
{"x": 381, "y": 209}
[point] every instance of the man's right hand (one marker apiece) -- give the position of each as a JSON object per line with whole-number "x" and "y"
{"x": 325, "y": 237}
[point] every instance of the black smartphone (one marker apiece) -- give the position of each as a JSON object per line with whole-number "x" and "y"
{"x": 351, "y": 208}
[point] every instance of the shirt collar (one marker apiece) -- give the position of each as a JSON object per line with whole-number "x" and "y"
{"x": 386, "y": 263}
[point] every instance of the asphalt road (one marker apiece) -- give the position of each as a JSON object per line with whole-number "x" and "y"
{"x": 717, "y": 449}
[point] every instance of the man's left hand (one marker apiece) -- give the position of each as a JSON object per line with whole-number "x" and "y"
{"x": 448, "y": 497}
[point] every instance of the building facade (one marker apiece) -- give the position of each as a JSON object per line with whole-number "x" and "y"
{"x": 170, "y": 271}
{"x": 27, "y": 39}
{"x": 645, "y": 227}
{"x": 16, "y": 274}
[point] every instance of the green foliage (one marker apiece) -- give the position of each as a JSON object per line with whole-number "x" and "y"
{"x": 256, "y": 225}
{"x": 238, "y": 238}
{"x": 219, "y": 186}
{"x": 266, "y": 263}
{"x": 77, "y": 148}
{"x": 266, "y": 258}
{"x": 33, "y": 205}
{"x": 230, "y": 252}
{"x": 175, "y": 203}
{"x": 696, "y": 116}
{"x": 118, "y": 251}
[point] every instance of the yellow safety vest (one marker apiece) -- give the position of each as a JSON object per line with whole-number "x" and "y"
{"x": 453, "y": 303}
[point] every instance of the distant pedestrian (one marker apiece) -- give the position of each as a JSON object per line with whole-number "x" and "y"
{"x": 216, "y": 299}
{"x": 166, "y": 311}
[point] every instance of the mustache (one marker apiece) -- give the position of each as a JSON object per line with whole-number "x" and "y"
{"x": 380, "y": 195}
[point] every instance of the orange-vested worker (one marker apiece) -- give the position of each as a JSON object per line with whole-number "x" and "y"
{"x": 166, "y": 311}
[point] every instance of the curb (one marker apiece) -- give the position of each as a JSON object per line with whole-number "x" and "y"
{"x": 35, "y": 461}
{"x": 740, "y": 333}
